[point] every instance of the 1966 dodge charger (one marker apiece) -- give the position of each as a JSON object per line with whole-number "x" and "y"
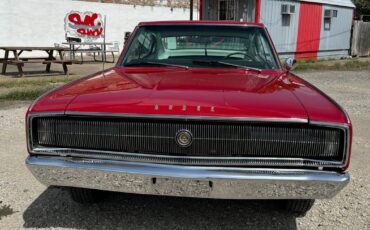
{"x": 194, "y": 109}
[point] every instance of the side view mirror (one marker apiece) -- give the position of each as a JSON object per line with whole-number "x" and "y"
{"x": 289, "y": 63}
{"x": 127, "y": 36}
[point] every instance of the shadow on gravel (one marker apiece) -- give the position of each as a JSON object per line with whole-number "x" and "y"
{"x": 54, "y": 208}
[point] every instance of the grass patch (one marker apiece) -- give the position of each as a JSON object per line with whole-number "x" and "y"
{"x": 306, "y": 66}
{"x": 24, "y": 82}
{"x": 30, "y": 88}
{"x": 352, "y": 64}
{"x": 29, "y": 93}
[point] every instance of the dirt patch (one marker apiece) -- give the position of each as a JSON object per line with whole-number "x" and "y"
{"x": 6, "y": 104}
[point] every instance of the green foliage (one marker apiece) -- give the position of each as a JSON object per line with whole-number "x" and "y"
{"x": 41, "y": 81}
{"x": 28, "y": 93}
{"x": 309, "y": 65}
{"x": 337, "y": 65}
{"x": 30, "y": 88}
{"x": 362, "y": 7}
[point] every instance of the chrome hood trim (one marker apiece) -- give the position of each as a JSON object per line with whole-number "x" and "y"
{"x": 187, "y": 160}
{"x": 173, "y": 117}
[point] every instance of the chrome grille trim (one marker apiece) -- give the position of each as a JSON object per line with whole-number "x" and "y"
{"x": 153, "y": 137}
{"x": 248, "y": 161}
{"x": 189, "y": 160}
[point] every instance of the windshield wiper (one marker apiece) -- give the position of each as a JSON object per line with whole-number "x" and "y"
{"x": 200, "y": 62}
{"x": 139, "y": 63}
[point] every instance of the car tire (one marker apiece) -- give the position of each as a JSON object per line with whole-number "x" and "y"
{"x": 298, "y": 207}
{"x": 85, "y": 196}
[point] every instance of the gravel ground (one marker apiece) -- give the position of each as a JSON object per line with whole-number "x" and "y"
{"x": 25, "y": 203}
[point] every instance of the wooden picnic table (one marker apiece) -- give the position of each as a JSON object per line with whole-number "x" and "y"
{"x": 20, "y": 61}
{"x": 102, "y": 49}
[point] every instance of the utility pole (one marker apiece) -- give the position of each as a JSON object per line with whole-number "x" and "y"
{"x": 191, "y": 10}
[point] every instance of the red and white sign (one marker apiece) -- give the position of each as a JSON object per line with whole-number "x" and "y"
{"x": 87, "y": 25}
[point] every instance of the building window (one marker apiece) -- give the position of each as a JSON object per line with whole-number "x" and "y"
{"x": 292, "y": 9}
{"x": 328, "y": 15}
{"x": 227, "y": 9}
{"x": 286, "y": 11}
{"x": 327, "y": 23}
{"x": 335, "y": 13}
{"x": 285, "y": 20}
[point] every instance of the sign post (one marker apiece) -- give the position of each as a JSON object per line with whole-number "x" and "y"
{"x": 191, "y": 9}
{"x": 104, "y": 47}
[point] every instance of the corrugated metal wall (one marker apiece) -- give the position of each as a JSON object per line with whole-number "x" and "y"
{"x": 309, "y": 30}
{"x": 336, "y": 41}
{"x": 284, "y": 37}
{"x": 333, "y": 43}
{"x": 210, "y": 9}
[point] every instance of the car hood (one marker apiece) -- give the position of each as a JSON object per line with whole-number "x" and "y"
{"x": 177, "y": 91}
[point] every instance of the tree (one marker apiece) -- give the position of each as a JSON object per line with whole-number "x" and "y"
{"x": 362, "y": 7}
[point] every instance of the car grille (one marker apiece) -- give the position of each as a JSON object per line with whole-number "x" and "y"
{"x": 210, "y": 139}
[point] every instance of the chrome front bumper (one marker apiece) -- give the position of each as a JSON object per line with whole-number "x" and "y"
{"x": 187, "y": 181}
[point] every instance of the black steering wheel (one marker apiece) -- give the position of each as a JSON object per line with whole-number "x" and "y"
{"x": 242, "y": 53}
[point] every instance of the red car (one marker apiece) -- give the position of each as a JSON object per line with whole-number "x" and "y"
{"x": 194, "y": 109}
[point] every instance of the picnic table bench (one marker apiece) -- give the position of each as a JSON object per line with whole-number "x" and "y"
{"x": 94, "y": 47}
{"x": 20, "y": 61}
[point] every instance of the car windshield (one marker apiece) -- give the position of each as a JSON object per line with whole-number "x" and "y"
{"x": 200, "y": 46}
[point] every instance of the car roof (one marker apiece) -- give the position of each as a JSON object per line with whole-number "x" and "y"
{"x": 202, "y": 22}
